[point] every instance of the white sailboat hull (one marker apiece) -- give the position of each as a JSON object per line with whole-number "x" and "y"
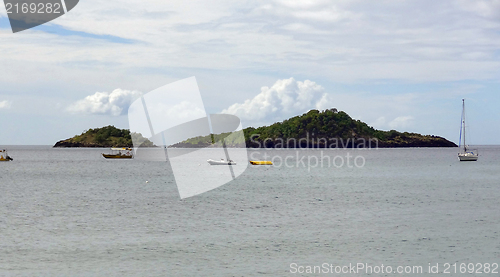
{"x": 212, "y": 162}
{"x": 467, "y": 157}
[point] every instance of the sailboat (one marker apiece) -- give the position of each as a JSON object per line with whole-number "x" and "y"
{"x": 466, "y": 154}
{"x": 4, "y": 157}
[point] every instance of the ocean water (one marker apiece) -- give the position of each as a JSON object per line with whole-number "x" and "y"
{"x": 69, "y": 212}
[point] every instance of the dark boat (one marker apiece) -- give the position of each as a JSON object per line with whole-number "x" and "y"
{"x": 119, "y": 153}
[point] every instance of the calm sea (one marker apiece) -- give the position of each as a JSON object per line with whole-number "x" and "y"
{"x": 69, "y": 212}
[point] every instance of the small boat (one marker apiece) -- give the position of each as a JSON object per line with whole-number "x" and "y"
{"x": 261, "y": 162}
{"x": 221, "y": 162}
{"x": 4, "y": 157}
{"x": 119, "y": 153}
{"x": 466, "y": 154}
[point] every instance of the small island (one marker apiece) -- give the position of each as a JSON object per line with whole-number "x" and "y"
{"x": 315, "y": 129}
{"x": 105, "y": 137}
{"x": 326, "y": 129}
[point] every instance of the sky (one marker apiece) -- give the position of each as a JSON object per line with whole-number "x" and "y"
{"x": 401, "y": 65}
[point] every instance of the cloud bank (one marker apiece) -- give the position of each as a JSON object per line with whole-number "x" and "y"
{"x": 113, "y": 103}
{"x": 345, "y": 41}
{"x": 286, "y": 98}
{"x": 5, "y": 104}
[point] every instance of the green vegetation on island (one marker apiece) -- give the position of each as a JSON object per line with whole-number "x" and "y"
{"x": 326, "y": 129}
{"x": 108, "y": 136}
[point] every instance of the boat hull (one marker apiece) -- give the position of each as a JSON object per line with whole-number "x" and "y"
{"x": 212, "y": 162}
{"x": 108, "y": 156}
{"x": 467, "y": 158}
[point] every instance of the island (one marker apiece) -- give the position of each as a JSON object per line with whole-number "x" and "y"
{"x": 105, "y": 137}
{"x": 317, "y": 129}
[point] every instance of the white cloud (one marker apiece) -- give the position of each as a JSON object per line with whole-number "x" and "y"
{"x": 401, "y": 122}
{"x": 379, "y": 122}
{"x": 5, "y": 104}
{"x": 115, "y": 103}
{"x": 284, "y": 99}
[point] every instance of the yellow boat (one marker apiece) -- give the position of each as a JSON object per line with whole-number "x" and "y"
{"x": 119, "y": 153}
{"x": 4, "y": 157}
{"x": 261, "y": 162}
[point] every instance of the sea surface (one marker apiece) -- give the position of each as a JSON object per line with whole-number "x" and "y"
{"x": 69, "y": 212}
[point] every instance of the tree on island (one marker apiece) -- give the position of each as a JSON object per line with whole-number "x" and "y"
{"x": 108, "y": 136}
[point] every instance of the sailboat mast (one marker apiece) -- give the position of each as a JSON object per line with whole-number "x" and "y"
{"x": 463, "y": 123}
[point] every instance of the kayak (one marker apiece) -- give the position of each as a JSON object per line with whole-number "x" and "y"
{"x": 261, "y": 162}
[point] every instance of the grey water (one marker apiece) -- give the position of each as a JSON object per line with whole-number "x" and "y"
{"x": 69, "y": 212}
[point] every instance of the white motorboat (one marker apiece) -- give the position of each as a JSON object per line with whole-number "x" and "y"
{"x": 221, "y": 162}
